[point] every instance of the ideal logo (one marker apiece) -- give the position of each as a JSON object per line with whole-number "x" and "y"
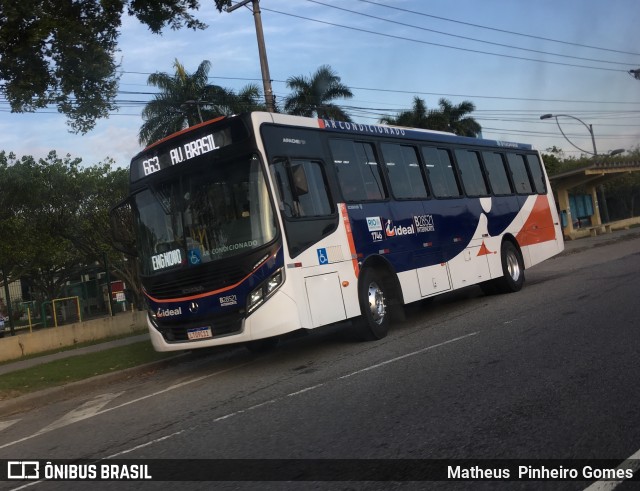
{"x": 169, "y": 312}
{"x": 374, "y": 224}
{"x": 389, "y": 230}
{"x": 392, "y": 230}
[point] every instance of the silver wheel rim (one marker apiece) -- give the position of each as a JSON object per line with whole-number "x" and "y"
{"x": 377, "y": 303}
{"x": 513, "y": 265}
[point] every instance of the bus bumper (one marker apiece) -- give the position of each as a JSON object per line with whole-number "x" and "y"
{"x": 278, "y": 315}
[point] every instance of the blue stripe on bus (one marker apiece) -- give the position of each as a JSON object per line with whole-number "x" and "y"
{"x": 223, "y": 302}
{"x": 419, "y": 234}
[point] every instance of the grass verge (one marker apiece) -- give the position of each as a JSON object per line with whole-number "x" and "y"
{"x": 74, "y": 346}
{"x": 80, "y": 367}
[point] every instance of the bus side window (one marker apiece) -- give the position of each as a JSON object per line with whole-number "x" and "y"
{"x": 471, "y": 173}
{"x": 313, "y": 196}
{"x": 280, "y": 176}
{"x": 358, "y": 170}
{"x": 302, "y": 188}
{"x": 403, "y": 168}
{"x": 440, "y": 172}
{"x": 497, "y": 173}
{"x": 519, "y": 173}
{"x": 535, "y": 168}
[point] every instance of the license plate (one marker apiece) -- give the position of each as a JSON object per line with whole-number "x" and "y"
{"x": 199, "y": 333}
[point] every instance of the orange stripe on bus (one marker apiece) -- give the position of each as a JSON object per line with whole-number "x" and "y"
{"x": 186, "y": 130}
{"x": 207, "y": 294}
{"x": 539, "y": 226}
{"x": 352, "y": 245}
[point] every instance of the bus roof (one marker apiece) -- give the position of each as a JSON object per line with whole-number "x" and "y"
{"x": 388, "y": 130}
{"x": 358, "y": 129}
{"x": 416, "y": 134}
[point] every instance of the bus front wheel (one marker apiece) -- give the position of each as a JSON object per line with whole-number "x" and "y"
{"x": 373, "y": 324}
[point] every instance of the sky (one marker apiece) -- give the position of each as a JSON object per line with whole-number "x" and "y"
{"x": 514, "y": 59}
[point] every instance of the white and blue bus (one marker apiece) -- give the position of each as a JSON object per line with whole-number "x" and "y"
{"x": 252, "y": 226}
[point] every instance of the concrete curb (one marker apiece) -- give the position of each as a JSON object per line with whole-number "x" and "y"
{"x": 58, "y": 393}
{"x": 580, "y": 245}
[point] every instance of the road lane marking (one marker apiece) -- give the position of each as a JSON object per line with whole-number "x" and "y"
{"x": 310, "y": 388}
{"x": 87, "y": 410}
{"x": 398, "y": 358}
{"x": 142, "y": 445}
{"x": 256, "y": 406}
{"x": 251, "y": 408}
{"x": 5, "y": 424}
{"x": 170, "y": 388}
{"x": 298, "y": 392}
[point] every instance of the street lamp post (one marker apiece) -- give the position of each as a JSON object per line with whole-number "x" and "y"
{"x": 588, "y": 126}
{"x": 603, "y": 200}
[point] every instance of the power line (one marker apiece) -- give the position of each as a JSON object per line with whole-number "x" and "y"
{"x": 418, "y": 92}
{"x": 419, "y": 41}
{"x": 470, "y": 38}
{"x": 479, "y": 26}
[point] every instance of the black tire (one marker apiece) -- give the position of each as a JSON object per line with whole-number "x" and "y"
{"x": 373, "y": 324}
{"x": 512, "y": 269}
{"x": 260, "y": 346}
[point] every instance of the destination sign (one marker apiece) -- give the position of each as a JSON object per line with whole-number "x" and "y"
{"x": 184, "y": 147}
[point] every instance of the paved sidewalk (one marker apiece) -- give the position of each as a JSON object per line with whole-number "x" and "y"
{"x": 571, "y": 247}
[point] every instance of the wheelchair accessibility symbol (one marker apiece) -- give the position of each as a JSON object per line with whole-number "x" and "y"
{"x": 194, "y": 257}
{"x": 322, "y": 256}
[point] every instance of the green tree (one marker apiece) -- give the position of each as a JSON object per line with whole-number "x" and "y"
{"x": 312, "y": 96}
{"x": 455, "y": 118}
{"x": 54, "y": 219}
{"x": 552, "y": 159}
{"x": 63, "y": 53}
{"x": 416, "y": 117}
{"x": 448, "y": 117}
{"x": 186, "y": 99}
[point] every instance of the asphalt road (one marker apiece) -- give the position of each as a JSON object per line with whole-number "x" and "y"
{"x": 548, "y": 373}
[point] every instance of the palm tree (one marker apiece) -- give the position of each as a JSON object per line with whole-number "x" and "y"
{"x": 447, "y": 118}
{"x": 416, "y": 117}
{"x": 312, "y": 96}
{"x": 227, "y": 102}
{"x": 454, "y": 118}
{"x": 188, "y": 99}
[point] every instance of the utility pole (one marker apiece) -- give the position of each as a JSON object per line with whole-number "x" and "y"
{"x": 264, "y": 65}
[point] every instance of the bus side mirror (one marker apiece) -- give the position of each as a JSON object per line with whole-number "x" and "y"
{"x": 122, "y": 230}
{"x": 300, "y": 180}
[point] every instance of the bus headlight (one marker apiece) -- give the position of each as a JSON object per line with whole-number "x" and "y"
{"x": 265, "y": 290}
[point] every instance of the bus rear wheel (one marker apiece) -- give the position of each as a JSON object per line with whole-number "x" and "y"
{"x": 373, "y": 324}
{"x": 512, "y": 269}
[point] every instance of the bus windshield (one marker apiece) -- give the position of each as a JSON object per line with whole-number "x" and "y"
{"x": 203, "y": 215}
